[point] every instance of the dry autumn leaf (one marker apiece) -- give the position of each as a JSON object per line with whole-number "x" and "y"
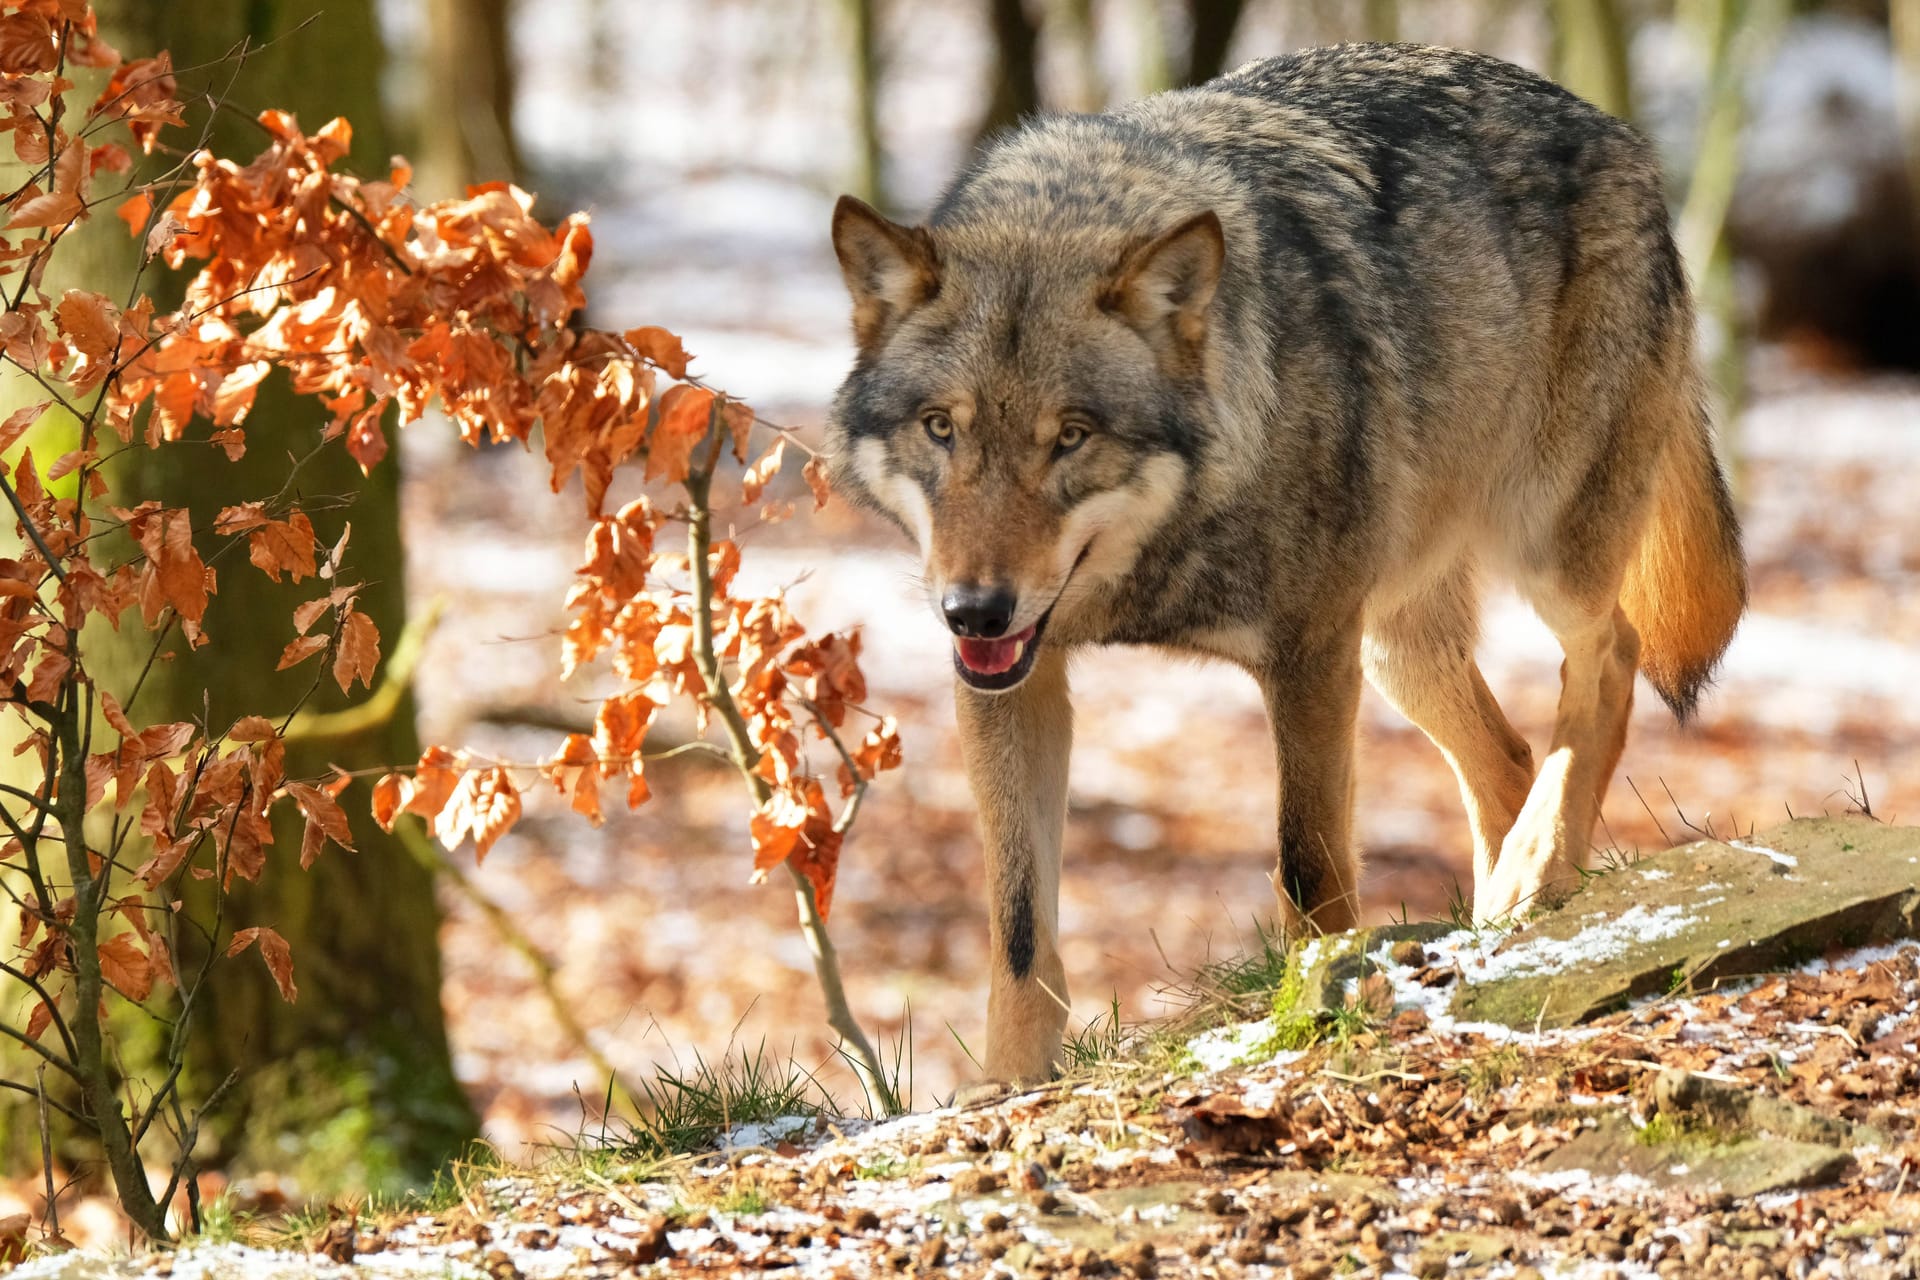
{"x": 274, "y": 951}
{"x": 126, "y": 966}
{"x": 657, "y": 346}
{"x": 359, "y": 651}
{"x": 325, "y": 821}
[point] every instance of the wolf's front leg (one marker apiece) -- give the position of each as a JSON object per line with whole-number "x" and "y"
{"x": 1016, "y": 746}
{"x": 1312, "y": 690}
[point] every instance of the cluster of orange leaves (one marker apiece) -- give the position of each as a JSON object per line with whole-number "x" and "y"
{"x": 378, "y": 307}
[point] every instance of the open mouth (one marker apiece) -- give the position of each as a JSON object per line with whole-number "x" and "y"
{"x": 1001, "y": 663}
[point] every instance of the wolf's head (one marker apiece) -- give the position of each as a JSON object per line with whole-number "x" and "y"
{"x": 1028, "y": 404}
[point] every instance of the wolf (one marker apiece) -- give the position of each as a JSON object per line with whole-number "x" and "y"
{"x": 1275, "y": 370}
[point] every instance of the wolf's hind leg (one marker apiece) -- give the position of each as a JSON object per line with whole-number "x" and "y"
{"x": 1312, "y": 691}
{"x": 1420, "y": 658}
{"x": 1016, "y": 746}
{"x": 1548, "y": 844}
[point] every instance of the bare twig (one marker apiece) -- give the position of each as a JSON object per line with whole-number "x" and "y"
{"x": 52, "y": 1218}
{"x": 826, "y": 962}
{"x": 429, "y": 856}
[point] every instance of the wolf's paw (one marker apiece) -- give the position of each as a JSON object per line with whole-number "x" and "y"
{"x": 980, "y": 1093}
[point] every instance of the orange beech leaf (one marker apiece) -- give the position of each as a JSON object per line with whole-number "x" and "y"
{"x": 283, "y": 545}
{"x": 738, "y": 420}
{"x": 141, "y": 94}
{"x": 657, "y": 346}
{"x": 366, "y": 442}
{"x": 27, "y": 44}
{"x": 156, "y": 818}
{"x": 816, "y": 473}
{"x": 91, "y": 325}
{"x": 175, "y": 575}
{"x": 134, "y": 211}
{"x": 110, "y": 708}
{"x": 878, "y": 751}
{"x": 434, "y": 779}
{"x": 359, "y": 651}
{"x": 300, "y": 650}
{"x": 795, "y": 825}
{"x": 126, "y": 967}
{"x": 723, "y": 561}
{"x": 46, "y": 209}
{"x": 275, "y": 951}
{"x": 486, "y": 804}
{"x": 39, "y": 1020}
{"x": 685, "y": 415}
{"x": 389, "y": 794}
{"x": 233, "y": 400}
{"x": 19, "y": 420}
{"x": 109, "y": 157}
{"x": 764, "y": 469}
{"x": 325, "y": 818}
{"x": 253, "y": 729}
{"x": 48, "y": 675}
{"x": 308, "y": 612}
{"x": 239, "y": 519}
{"x": 575, "y": 773}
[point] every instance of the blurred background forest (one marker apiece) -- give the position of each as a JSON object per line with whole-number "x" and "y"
{"x": 709, "y": 138}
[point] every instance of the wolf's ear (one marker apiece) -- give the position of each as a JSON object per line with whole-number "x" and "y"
{"x": 890, "y": 269}
{"x": 1163, "y": 285}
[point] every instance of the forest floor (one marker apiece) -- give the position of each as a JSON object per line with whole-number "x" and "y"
{"x": 1291, "y": 1123}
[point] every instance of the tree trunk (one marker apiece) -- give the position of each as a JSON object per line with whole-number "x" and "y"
{"x": 863, "y": 60}
{"x": 466, "y": 116}
{"x": 1073, "y": 20}
{"x": 353, "y": 1085}
{"x": 1016, "y": 82}
{"x": 1590, "y": 53}
{"x": 1213, "y": 22}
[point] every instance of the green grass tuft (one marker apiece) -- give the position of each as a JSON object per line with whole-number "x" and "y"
{"x": 683, "y": 1112}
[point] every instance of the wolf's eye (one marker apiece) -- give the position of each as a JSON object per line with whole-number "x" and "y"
{"x": 1071, "y": 437}
{"x": 938, "y": 425}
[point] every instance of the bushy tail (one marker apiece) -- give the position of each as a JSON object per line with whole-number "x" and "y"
{"x": 1686, "y": 587}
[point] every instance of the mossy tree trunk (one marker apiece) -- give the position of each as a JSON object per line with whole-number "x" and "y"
{"x": 352, "y": 1085}
{"x": 465, "y": 120}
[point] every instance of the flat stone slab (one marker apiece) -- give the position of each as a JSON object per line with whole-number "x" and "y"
{"x": 1702, "y": 912}
{"x": 1746, "y": 1167}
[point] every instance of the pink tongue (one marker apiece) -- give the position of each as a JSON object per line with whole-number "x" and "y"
{"x": 991, "y": 657}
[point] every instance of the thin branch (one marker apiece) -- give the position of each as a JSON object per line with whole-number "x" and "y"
{"x": 430, "y": 856}
{"x": 52, "y": 1218}
{"x": 55, "y": 1103}
{"x": 33, "y": 530}
{"x": 851, "y": 808}
{"x": 826, "y": 961}
{"x": 53, "y": 1007}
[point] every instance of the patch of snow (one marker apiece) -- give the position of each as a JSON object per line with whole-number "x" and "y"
{"x": 1598, "y": 941}
{"x": 1224, "y": 1047}
{"x": 1654, "y": 873}
{"x": 767, "y": 1133}
{"x": 1779, "y": 858}
{"x": 1862, "y": 957}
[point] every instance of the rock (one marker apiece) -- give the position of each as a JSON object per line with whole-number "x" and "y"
{"x": 1409, "y": 952}
{"x": 1328, "y": 964}
{"x": 1699, "y": 912}
{"x": 1699, "y": 1102}
{"x": 1744, "y": 1166}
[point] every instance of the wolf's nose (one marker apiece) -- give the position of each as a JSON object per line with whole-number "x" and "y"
{"x": 978, "y": 612}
